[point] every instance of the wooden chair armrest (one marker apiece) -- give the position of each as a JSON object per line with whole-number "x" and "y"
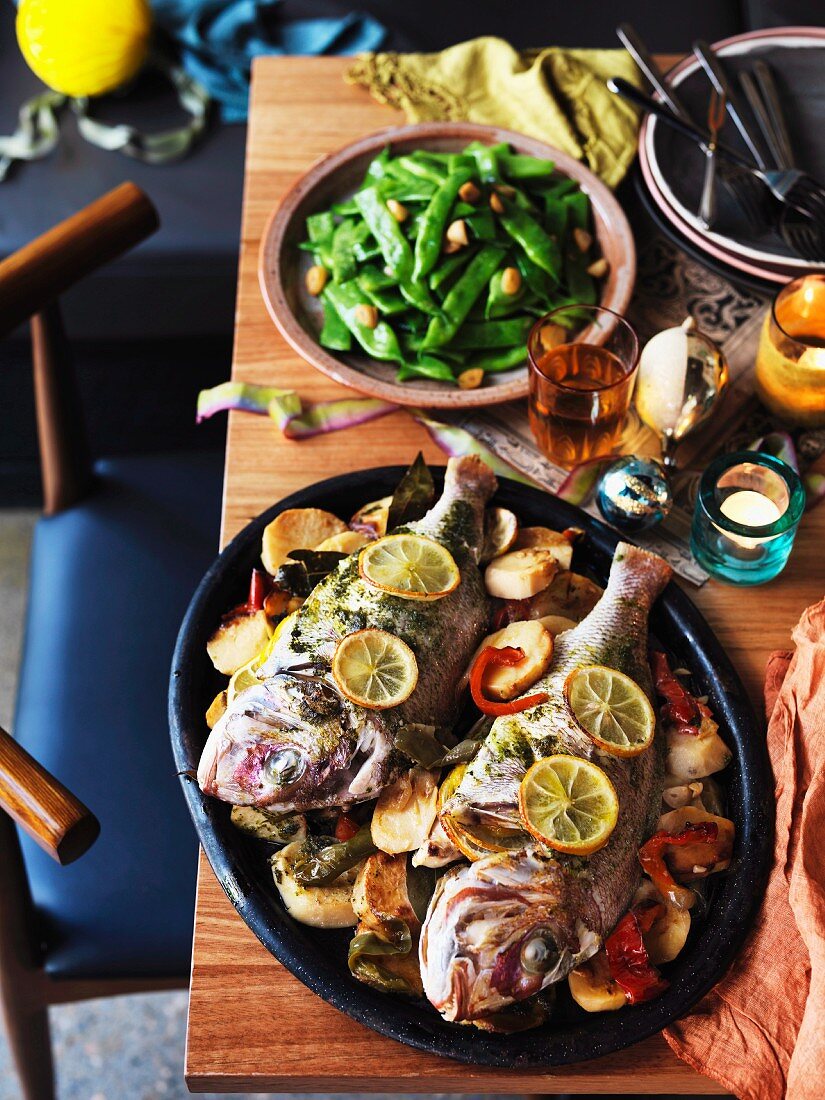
{"x": 37, "y": 273}
{"x": 41, "y": 805}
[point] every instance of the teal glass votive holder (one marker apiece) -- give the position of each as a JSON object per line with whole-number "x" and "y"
{"x": 747, "y": 511}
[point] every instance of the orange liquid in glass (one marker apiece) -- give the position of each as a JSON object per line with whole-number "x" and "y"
{"x": 578, "y": 403}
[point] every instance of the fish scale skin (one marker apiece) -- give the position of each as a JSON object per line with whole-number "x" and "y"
{"x": 457, "y": 980}
{"x": 345, "y": 750}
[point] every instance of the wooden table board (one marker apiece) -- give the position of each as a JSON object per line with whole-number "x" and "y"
{"x": 252, "y": 1026}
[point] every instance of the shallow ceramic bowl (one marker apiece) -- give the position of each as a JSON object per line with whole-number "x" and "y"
{"x": 282, "y": 265}
{"x": 319, "y": 958}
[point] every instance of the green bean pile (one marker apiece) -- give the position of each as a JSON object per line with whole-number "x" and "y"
{"x": 440, "y": 262}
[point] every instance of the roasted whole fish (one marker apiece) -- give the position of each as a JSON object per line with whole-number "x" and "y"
{"x": 510, "y": 924}
{"x": 293, "y": 741}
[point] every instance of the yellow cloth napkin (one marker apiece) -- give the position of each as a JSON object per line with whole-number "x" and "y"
{"x": 556, "y": 95}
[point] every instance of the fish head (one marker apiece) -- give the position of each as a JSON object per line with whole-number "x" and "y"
{"x": 287, "y": 747}
{"x": 502, "y": 929}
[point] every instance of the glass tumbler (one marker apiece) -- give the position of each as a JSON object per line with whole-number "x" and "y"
{"x": 580, "y": 382}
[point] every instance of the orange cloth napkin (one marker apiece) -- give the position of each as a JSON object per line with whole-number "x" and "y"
{"x": 761, "y": 1031}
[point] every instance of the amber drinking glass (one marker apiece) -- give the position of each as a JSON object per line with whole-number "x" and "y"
{"x": 790, "y": 362}
{"x": 580, "y": 385}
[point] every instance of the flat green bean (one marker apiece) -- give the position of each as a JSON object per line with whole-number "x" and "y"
{"x": 395, "y": 247}
{"x": 344, "y": 264}
{"x": 517, "y": 166}
{"x": 426, "y": 366}
{"x": 492, "y": 334}
{"x": 379, "y": 342}
{"x": 430, "y": 234}
{"x": 492, "y": 361}
{"x": 334, "y": 335}
{"x": 536, "y": 243}
{"x": 462, "y": 297}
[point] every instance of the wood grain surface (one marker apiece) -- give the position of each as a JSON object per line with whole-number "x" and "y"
{"x": 252, "y": 1026}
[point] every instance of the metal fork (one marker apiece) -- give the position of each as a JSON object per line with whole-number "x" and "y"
{"x": 794, "y": 188}
{"x": 802, "y": 236}
{"x": 707, "y": 202}
{"x": 785, "y": 186}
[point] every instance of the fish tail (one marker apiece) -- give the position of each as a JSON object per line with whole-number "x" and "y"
{"x": 638, "y": 574}
{"x": 469, "y": 476}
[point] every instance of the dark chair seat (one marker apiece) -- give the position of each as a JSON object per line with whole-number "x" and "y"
{"x": 110, "y": 581}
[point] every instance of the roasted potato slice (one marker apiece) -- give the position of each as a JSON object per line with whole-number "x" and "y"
{"x": 520, "y": 574}
{"x": 500, "y": 531}
{"x": 592, "y": 988}
{"x": 542, "y": 538}
{"x": 328, "y": 906}
{"x": 437, "y": 850}
{"x": 274, "y": 828}
{"x": 556, "y": 624}
{"x": 372, "y": 517}
{"x": 217, "y": 709}
{"x": 380, "y": 893}
{"x": 694, "y": 861}
{"x": 296, "y": 529}
{"x": 504, "y": 682}
{"x": 695, "y": 755}
{"x": 346, "y": 542}
{"x": 669, "y": 932}
{"x": 405, "y": 812}
{"x": 238, "y": 641}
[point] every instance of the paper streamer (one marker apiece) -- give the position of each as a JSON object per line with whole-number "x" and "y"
{"x": 457, "y": 442}
{"x": 296, "y": 419}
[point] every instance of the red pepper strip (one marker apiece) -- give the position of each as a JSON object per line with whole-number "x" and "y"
{"x": 346, "y": 827}
{"x": 652, "y": 858}
{"x": 507, "y": 655}
{"x": 573, "y": 534}
{"x": 258, "y": 590}
{"x": 627, "y": 957}
{"x": 680, "y": 708}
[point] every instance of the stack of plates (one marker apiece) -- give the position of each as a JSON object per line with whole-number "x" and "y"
{"x": 672, "y": 166}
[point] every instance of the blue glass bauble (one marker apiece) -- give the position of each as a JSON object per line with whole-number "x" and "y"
{"x": 634, "y": 493}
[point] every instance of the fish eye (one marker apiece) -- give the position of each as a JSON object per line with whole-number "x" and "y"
{"x": 286, "y": 766}
{"x": 539, "y": 953}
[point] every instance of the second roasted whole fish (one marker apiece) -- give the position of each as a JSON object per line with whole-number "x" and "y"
{"x": 511, "y": 924}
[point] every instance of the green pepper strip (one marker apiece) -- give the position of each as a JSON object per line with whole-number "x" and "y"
{"x": 428, "y": 242}
{"x": 366, "y": 946}
{"x": 379, "y": 342}
{"x": 493, "y": 334}
{"x": 462, "y": 297}
{"x": 319, "y": 867}
{"x": 334, "y": 335}
{"x": 538, "y": 245}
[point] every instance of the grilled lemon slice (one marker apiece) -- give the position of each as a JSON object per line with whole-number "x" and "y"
{"x": 375, "y": 669}
{"x": 612, "y": 709}
{"x": 411, "y": 566}
{"x": 568, "y": 804}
